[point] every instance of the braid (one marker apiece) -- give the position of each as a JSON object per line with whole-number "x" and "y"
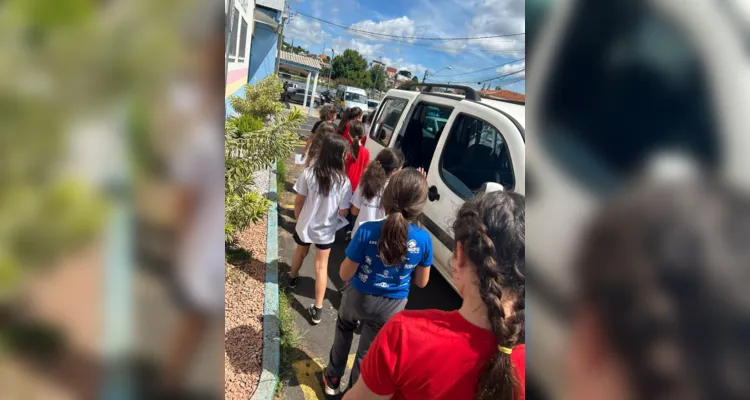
{"x": 488, "y": 228}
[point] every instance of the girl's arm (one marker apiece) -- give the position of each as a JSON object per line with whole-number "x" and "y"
{"x": 299, "y": 201}
{"x": 348, "y": 269}
{"x": 344, "y": 212}
{"x": 421, "y": 276}
{"x": 354, "y": 210}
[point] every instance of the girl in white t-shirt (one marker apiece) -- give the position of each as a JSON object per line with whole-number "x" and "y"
{"x": 323, "y": 193}
{"x": 365, "y": 204}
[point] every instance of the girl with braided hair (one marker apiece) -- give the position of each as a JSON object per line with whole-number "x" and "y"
{"x": 663, "y": 305}
{"x": 476, "y": 352}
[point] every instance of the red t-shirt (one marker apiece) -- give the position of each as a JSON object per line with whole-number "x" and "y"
{"x": 355, "y": 168}
{"x": 346, "y": 136}
{"x": 432, "y": 354}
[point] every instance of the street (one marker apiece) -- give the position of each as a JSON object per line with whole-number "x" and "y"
{"x": 316, "y": 340}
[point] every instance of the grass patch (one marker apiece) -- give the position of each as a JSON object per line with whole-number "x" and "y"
{"x": 289, "y": 342}
{"x": 234, "y": 254}
{"x": 280, "y": 174}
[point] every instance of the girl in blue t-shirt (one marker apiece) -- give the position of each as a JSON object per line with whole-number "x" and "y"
{"x": 381, "y": 260}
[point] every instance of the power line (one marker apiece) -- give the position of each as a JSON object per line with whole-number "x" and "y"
{"x": 403, "y": 37}
{"x": 487, "y": 80}
{"x": 479, "y": 70}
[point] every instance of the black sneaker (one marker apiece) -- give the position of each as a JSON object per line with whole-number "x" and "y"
{"x": 315, "y": 313}
{"x": 293, "y": 282}
{"x": 331, "y": 385}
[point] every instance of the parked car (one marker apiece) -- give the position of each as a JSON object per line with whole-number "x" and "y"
{"x": 298, "y": 96}
{"x": 467, "y": 145}
{"x": 350, "y": 96}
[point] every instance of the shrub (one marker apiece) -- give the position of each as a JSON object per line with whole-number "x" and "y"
{"x": 255, "y": 139}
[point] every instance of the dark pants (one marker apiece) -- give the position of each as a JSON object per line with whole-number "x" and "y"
{"x": 372, "y": 312}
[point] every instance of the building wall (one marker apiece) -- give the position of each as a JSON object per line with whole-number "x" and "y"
{"x": 238, "y": 71}
{"x": 263, "y": 57}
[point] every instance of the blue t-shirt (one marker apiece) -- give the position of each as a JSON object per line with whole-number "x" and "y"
{"x": 372, "y": 276}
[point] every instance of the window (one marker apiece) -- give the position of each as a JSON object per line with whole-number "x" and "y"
{"x": 474, "y": 154}
{"x": 390, "y": 113}
{"x": 356, "y": 97}
{"x": 243, "y": 40}
{"x": 233, "y": 37}
{"x": 419, "y": 140}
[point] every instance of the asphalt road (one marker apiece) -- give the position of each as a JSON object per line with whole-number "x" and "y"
{"x": 312, "y": 357}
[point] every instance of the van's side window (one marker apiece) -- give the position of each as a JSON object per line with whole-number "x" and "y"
{"x": 390, "y": 113}
{"x": 475, "y": 153}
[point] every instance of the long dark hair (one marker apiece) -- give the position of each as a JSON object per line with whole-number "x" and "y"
{"x": 376, "y": 174}
{"x": 491, "y": 229}
{"x": 324, "y": 129}
{"x": 349, "y": 115}
{"x": 356, "y": 133}
{"x": 403, "y": 200}
{"x": 665, "y": 272}
{"x": 345, "y": 118}
{"x": 329, "y": 167}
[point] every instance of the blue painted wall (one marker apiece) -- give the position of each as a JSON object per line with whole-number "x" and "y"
{"x": 263, "y": 49}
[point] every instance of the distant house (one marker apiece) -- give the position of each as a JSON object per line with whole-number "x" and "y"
{"x": 391, "y": 72}
{"x": 325, "y": 58}
{"x": 377, "y": 62}
{"x": 504, "y": 94}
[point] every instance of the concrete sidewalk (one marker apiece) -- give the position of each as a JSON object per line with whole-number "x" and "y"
{"x": 316, "y": 340}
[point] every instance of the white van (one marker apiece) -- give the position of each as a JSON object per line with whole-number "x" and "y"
{"x": 467, "y": 145}
{"x": 348, "y": 97}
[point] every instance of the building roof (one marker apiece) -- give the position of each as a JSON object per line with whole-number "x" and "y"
{"x": 300, "y": 60}
{"x": 504, "y": 94}
{"x": 272, "y": 4}
{"x": 391, "y": 70}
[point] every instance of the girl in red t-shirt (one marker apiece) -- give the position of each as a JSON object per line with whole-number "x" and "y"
{"x": 353, "y": 114}
{"x": 357, "y": 161}
{"x": 477, "y": 351}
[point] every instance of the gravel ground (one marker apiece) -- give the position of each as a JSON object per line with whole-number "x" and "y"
{"x": 243, "y": 317}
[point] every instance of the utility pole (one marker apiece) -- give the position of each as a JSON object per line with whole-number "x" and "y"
{"x": 281, "y": 41}
{"x": 330, "y": 69}
{"x": 424, "y": 78}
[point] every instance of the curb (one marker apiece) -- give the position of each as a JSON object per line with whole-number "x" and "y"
{"x": 271, "y": 336}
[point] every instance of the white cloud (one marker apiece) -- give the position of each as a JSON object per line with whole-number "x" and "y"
{"x": 311, "y": 32}
{"x": 509, "y": 68}
{"x": 500, "y": 17}
{"x": 398, "y": 27}
{"x": 368, "y": 51}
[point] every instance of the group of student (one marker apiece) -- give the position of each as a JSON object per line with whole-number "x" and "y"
{"x": 474, "y": 352}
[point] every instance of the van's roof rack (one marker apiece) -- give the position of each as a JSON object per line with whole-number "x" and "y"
{"x": 469, "y": 92}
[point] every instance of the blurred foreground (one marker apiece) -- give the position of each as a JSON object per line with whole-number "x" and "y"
{"x": 97, "y": 103}
{"x": 655, "y": 91}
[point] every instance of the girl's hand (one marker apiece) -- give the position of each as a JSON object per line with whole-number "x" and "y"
{"x": 421, "y": 171}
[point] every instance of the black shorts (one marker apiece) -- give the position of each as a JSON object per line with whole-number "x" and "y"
{"x": 319, "y": 246}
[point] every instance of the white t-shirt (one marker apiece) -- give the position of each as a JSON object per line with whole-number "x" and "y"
{"x": 319, "y": 217}
{"x": 199, "y": 165}
{"x": 369, "y": 210}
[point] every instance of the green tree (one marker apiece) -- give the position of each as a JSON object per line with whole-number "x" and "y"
{"x": 378, "y": 77}
{"x": 259, "y": 136}
{"x": 351, "y": 65}
{"x": 405, "y": 73}
{"x": 415, "y": 80}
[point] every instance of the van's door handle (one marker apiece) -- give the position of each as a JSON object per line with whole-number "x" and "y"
{"x": 432, "y": 193}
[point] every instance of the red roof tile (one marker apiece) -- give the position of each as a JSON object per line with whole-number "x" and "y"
{"x": 504, "y": 94}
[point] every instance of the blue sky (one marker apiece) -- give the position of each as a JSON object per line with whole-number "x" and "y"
{"x": 421, "y": 18}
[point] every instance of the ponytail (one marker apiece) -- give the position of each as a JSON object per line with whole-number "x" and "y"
{"x": 345, "y": 118}
{"x": 376, "y": 175}
{"x": 491, "y": 230}
{"x": 403, "y": 201}
{"x": 356, "y": 133}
